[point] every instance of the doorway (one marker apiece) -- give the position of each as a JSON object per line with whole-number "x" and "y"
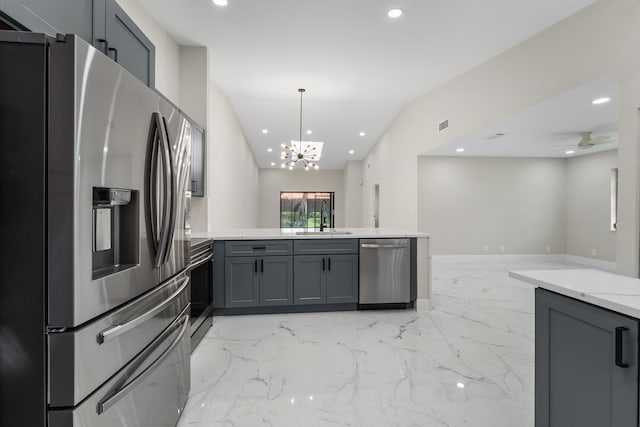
{"x": 376, "y": 205}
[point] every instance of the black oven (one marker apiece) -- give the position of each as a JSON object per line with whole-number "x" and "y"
{"x": 201, "y": 267}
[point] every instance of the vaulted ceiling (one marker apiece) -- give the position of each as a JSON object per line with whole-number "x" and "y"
{"x": 359, "y": 66}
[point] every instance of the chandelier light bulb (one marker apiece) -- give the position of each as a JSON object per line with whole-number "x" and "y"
{"x": 316, "y": 167}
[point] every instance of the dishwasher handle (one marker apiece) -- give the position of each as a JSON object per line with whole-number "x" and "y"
{"x": 378, "y": 246}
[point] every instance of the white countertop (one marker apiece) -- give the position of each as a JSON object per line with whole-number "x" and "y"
{"x": 277, "y": 233}
{"x": 608, "y": 290}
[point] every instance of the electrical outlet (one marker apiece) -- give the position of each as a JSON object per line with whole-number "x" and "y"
{"x": 486, "y": 248}
{"x": 594, "y": 252}
{"x": 501, "y": 248}
{"x": 548, "y": 249}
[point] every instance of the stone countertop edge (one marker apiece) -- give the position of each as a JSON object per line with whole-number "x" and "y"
{"x": 276, "y": 233}
{"x": 607, "y": 290}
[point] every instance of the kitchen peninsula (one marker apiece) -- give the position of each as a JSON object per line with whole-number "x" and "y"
{"x": 272, "y": 270}
{"x": 586, "y": 347}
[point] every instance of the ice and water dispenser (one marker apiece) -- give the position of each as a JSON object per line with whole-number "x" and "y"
{"x": 115, "y": 230}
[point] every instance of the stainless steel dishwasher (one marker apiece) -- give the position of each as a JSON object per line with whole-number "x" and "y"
{"x": 385, "y": 271}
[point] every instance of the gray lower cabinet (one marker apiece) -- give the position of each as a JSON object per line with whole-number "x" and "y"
{"x": 342, "y": 279}
{"x": 310, "y": 283}
{"x": 276, "y": 280}
{"x": 256, "y": 281}
{"x": 325, "y": 279}
{"x": 586, "y": 364}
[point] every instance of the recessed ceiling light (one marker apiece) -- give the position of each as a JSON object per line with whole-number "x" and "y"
{"x": 351, "y": 151}
{"x": 394, "y": 13}
{"x": 309, "y": 132}
{"x": 459, "y": 150}
{"x": 265, "y": 131}
{"x": 273, "y": 163}
{"x": 602, "y": 100}
{"x": 220, "y": 2}
{"x": 362, "y": 134}
{"x": 269, "y": 149}
{"x": 569, "y": 152}
{"x": 460, "y": 385}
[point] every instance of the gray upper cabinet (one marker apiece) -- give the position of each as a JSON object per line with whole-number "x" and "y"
{"x": 51, "y": 17}
{"x": 342, "y": 279}
{"x": 120, "y": 38}
{"x": 101, "y": 23}
{"x": 197, "y": 160}
{"x": 586, "y": 364}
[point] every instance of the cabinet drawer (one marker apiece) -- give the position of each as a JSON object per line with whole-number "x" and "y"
{"x": 325, "y": 246}
{"x": 258, "y": 247}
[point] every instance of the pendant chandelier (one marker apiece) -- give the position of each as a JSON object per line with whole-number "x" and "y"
{"x": 303, "y": 153}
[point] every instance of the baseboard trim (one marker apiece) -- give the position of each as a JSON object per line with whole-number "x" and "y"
{"x": 502, "y": 258}
{"x": 559, "y": 258}
{"x": 591, "y": 262}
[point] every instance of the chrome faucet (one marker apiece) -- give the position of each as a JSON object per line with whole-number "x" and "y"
{"x": 323, "y": 206}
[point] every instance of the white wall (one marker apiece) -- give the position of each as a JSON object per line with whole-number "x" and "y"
{"x": 468, "y": 203}
{"x": 600, "y": 39}
{"x": 352, "y": 193}
{"x": 167, "y": 50}
{"x": 273, "y": 181}
{"x": 588, "y": 205}
{"x": 231, "y": 171}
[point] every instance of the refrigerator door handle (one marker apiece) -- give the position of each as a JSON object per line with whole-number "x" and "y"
{"x": 117, "y": 330}
{"x": 171, "y": 199}
{"x": 120, "y": 392}
{"x": 159, "y": 217}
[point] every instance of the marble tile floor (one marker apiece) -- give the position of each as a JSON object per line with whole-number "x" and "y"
{"x": 467, "y": 362}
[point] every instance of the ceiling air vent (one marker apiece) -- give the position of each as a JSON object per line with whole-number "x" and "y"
{"x": 443, "y": 125}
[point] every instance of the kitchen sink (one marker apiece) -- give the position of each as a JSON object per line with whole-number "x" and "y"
{"x": 321, "y": 233}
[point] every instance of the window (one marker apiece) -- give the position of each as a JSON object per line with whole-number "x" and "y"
{"x": 305, "y": 209}
{"x": 614, "y": 199}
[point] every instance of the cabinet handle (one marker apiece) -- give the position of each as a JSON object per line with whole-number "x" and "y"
{"x": 259, "y": 248}
{"x": 323, "y": 264}
{"x": 261, "y": 266}
{"x": 255, "y": 265}
{"x": 115, "y": 53}
{"x": 329, "y": 259}
{"x": 619, "y": 340}
{"x": 106, "y": 45}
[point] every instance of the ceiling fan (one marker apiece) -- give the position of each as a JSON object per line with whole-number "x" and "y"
{"x": 588, "y": 140}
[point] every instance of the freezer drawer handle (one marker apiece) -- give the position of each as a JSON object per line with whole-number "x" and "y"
{"x": 117, "y": 330}
{"x": 121, "y": 392}
{"x": 199, "y": 263}
{"x": 373, "y": 246}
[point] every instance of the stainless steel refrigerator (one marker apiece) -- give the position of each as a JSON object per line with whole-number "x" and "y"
{"x": 94, "y": 292}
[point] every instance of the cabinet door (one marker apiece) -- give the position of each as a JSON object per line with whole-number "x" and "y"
{"x": 309, "y": 283}
{"x": 241, "y": 282}
{"x": 125, "y": 42}
{"x": 276, "y": 280}
{"x": 342, "y": 279}
{"x": 580, "y": 375}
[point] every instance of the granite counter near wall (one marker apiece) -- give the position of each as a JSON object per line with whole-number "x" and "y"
{"x": 290, "y": 233}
